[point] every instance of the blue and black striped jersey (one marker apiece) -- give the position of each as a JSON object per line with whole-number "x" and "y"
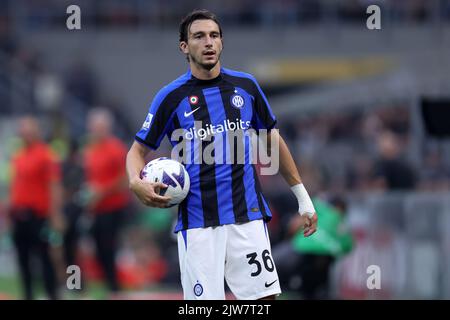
{"x": 209, "y": 114}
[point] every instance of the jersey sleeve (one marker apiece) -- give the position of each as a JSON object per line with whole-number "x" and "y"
{"x": 263, "y": 117}
{"x": 157, "y": 121}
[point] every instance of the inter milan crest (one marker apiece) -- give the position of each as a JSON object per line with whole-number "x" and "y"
{"x": 237, "y": 101}
{"x": 198, "y": 290}
{"x": 193, "y": 100}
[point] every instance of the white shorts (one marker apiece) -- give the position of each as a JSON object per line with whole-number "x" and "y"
{"x": 238, "y": 253}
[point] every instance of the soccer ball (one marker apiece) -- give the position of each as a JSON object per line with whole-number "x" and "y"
{"x": 170, "y": 172}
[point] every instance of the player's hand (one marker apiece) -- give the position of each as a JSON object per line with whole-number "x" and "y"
{"x": 311, "y": 226}
{"x": 303, "y": 223}
{"x": 148, "y": 193}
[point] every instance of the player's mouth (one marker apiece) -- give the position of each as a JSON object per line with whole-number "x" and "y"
{"x": 209, "y": 53}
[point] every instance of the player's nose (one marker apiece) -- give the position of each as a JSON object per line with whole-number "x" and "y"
{"x": 208, "y": 41}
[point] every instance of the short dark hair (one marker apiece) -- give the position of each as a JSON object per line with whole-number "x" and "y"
{"x": 201, "y": 14}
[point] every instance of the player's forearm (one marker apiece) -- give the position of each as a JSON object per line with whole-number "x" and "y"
{"x": 288, "y": 169}
{"x": 135, "y": 162}
{"x": 290, "y": 173}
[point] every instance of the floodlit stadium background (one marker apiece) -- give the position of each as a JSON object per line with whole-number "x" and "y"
{"x": 335, "y": 86}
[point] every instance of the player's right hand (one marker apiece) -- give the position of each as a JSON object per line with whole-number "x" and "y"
{"x": 148, "y": 193}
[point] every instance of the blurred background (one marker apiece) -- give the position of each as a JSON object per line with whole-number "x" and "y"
{"x": 365, "y": 113}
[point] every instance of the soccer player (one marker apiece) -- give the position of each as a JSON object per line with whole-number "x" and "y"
{"x": 221, "y": 226}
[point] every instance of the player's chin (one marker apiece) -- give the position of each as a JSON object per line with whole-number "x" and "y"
{"x": 208, "y": 64}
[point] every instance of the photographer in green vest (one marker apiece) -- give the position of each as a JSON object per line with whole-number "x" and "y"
{"x": 308, "y": 261}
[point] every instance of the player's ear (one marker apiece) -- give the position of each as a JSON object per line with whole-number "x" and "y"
{"x": 184, "y": 47}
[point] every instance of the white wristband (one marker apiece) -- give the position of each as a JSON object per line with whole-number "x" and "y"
{"x": 305, "y": 205}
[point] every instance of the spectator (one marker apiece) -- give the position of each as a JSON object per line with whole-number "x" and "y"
{"x": 81, "y": 83}
{"x": 391, "y": 171}
{"x": 435, "y": 174}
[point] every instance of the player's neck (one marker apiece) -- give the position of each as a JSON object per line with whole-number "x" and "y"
{"x": 204, "y": 74}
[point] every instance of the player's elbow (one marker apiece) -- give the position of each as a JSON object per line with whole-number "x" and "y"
{"x": 137, "y": 151}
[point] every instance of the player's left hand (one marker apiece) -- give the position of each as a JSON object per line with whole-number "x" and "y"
{"x": 303, "y": 223}
{"x": 311, "y": 225}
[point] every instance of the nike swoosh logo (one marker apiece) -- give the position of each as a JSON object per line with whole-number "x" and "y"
{"x": 187, "y": 114}
{"x": 269, "y": 284}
